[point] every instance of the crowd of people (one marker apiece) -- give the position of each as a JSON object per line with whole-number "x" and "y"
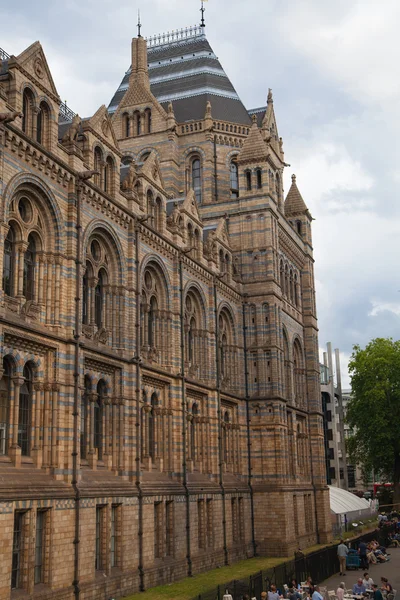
{"x": 371, "y": 553}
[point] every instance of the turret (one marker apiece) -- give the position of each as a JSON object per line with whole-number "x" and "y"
{"x": 297, "y": 213}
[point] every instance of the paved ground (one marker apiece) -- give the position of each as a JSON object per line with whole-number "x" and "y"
{"x": 391, "y": 570}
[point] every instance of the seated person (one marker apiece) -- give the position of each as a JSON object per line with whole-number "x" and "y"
{"x": 359, "y": 587}
{"x": 386, "y": 586}
{"x": 340, "y": 591}
{"x": 368, "y": 582}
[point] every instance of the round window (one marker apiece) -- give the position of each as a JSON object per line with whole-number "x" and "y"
{"x": 95, "y": 250}
{"x": 25, "y": 209}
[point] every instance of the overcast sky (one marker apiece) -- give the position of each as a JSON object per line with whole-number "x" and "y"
{"x": 333, "y": 68}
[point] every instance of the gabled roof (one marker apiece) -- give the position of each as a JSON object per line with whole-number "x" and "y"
{"x": 33, "y": 59}
{"x": 254, "y": 147}
{"x": 294, "y": 203}
{"x": 184, "y": 69}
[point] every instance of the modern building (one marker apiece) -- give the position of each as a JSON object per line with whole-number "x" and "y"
{"x": 160, "y": 409}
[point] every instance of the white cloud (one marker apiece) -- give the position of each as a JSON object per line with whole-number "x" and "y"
{"x": 379, "y": 306}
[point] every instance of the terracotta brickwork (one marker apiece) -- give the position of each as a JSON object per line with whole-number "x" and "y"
{"x": 175, "y": 425}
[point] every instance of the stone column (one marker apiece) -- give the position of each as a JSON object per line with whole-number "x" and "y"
{"x": 92, "y": 457}
{"x": 57, "y": 291}
{"x": 92, "y": 302}
{"x": 131, "y": 126}
{"x": 121, "y": 433}
{"x": 15, "y": 450}
{"x": 49, "y": 286}
{"x": 46, "y": 424}
{"x": 40, "y": 295}
{"x": 21, "y": 249}
{"x": 54, "y": 425}
{"x": 37, "y": 450}
{"x": 115, "y": 422}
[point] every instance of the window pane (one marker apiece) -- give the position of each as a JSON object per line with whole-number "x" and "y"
{"x": 29, "y": 270}
{"x": 24, "y": 414}
{"x": 196, "y": 179}
{"x": 8, "y": 263}
{"x": 4, "y": 408}
{"x": 17, "y": 550}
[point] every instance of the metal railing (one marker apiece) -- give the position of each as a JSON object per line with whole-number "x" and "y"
{"x": 4, "y": 55}
{"x": 321, "y": 565}
{"x": 177, "y": 35}
{"x": 66, "y": 114}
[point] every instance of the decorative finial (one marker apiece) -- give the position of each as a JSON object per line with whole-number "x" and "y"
{"x": 270, "y": 98}
{"x": 203, "y": 10}
{"x": 254, "y": 118}
{"x": 139, "y": 25}
{"x": 293, "y": 178}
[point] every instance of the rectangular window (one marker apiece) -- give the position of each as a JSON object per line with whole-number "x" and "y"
{"x": 100, "y": 542}
{"x": 17, "y": 550}
{"x": 158, "y": 506}
{"x": 169, "y": 528}
{"x": 201, "y": 529}
{"x": 296, "y": 516}
{"x": 210, "y": 523}
{"x": 39, "y": 546}
{"x": 115, "y": 544}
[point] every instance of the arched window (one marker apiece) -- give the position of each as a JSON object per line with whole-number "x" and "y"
{"x": 248, "y": 180}
{"x": 282, "y": 278}
{"x": 225, "y": 438}
{"x": 286, "y": 366}
{"x": 147, "y": 115}
{"x": 98, "y": 166}
{"x": 196, "y": 241}
{"x": 29, "y": 269}
{"x": 296, "y": 297}
{"x": 223, "y": 350}
{"x": 298, "y": 227}
{"x": 85, "y": 296}
{"x": 196, "y": 178}
{"x": 43, "y": 124}
{"x": 150, "y": 207}
{"x": 291, "y": 291}
{"x": 126, "y": 125}
{"x": 191, "y": 335}
{"x": 287, "y": 288}
{"x": 98, "y": 418}
{"x": 152, "y": 426}
{"x": 195, "y": 412}
{"x": 9, "y": 263}
{"x": 5, "y": 396}
{"x": 138, "y": 122}
{"x": 234, "y": 179}
{"x": 278, "y": 189}
{"x": 298, "y": 374}
{"x": 25, "y": 411}
{"x": 27, "y": 110}
{"x": 151, "y": 322}
{"x": 85, "y": 415}
{"x": 99, "y": 299}
{"x": 158, "y": 214}
{"x": 109, "y": 176}
{"x": 259, "y": 179}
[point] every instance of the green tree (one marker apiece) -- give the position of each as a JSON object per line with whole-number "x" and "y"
{"x": 373, "y": 412}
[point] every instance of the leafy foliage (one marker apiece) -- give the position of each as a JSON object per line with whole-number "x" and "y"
{"x": 373, "y": 413}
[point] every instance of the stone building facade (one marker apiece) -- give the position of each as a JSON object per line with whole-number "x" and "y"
{"x": 160, "y": 411}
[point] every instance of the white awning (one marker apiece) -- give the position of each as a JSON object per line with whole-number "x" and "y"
{"x": 343, "y": 502}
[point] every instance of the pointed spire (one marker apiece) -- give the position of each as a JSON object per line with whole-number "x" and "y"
{"x": 294, "y": 203}
{"x": 202, "y": 10}
{"x": 254, "y": 147}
